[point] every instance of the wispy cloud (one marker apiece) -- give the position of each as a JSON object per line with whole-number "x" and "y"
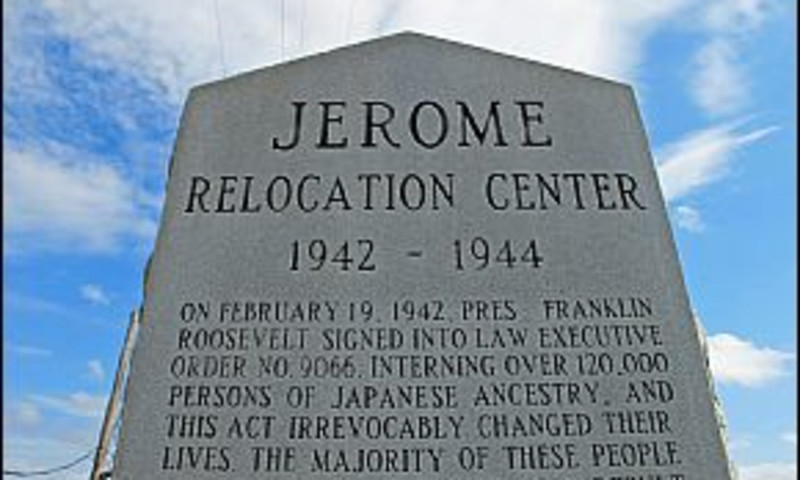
{"x": 738, "y": 361}
{"x": 720, "y": 85}
{"x": 79, "y": 404}
{"x": 25, "y": 75}
{"x": 36, "y": 439}
{"x": 606, "y": 38}
{"x": 94, "y": 294}
{"x": 790, "y": 438}
{"x": 738, "y": 442}
{"x": 174, "y": 44}
{"x": 41, "y": 452}
{"x": 720, "y": 80}
{"x": 702, "y": 157}
{"x": 688, "y": 218}
{"x": 737, "y": 16}
{"x": 22, "y": 414}
{"x": 28, "y": 350}
{"x": 95, "y": 370}
{"x": 53, "y": 199}
{"x": 768, "y": 471}
{"x": 33, "y": 304}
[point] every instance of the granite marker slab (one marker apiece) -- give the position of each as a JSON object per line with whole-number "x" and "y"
{"x": 412, "y": 258}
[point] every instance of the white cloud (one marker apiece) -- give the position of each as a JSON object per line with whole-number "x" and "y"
{"x": 28, "y": 350}
{"x": 735, "y": 360}
{"x": 738, "y": 442}
{"x": 702, "y": 158}
{"x": 96, "y": 371}
{"x": 23, "y": 414}
{"x": 48, "y": 441}
{"x": 719, "y": 85}
{"x": 605, "y": 37}
{"x": 790, "y": 437}
{"x": 55, "y": 197}
{"x": 689, "y": 219}
{"x": 35, "y": 453}
{"x": 29, "y": 414}
{"x": 94, "y": 294}
{"x": 768, "y": 471}
{"x": 33, "y": 304}
{"x": 79, "y": 404}
{"x": 174, "y": 44}
{"x": 731, "y": 16}
{"x": 24, "y": 74}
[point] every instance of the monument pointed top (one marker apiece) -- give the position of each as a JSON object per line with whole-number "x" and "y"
{"x": 422, "y": 42}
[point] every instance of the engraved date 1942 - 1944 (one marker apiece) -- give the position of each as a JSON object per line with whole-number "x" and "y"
{"x": 475, "y": 254}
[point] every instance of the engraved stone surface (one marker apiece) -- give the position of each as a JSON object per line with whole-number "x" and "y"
{"x": 411, "y": 258}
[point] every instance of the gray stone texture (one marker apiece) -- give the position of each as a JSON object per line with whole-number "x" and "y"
{"x": 611, "y": 250}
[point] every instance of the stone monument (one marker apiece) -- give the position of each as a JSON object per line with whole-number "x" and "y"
{"x": 411, "y": 258}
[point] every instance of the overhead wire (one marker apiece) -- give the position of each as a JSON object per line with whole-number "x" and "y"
{"x": 283, "y": 29}
{"x": 50, "y": 471}
{"x": 349, "y": 25}
{"x": 303, "y": 27}
{"x": 219, "y": 40}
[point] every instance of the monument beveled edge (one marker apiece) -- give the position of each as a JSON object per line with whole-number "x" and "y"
{"x": 412, "y": 258}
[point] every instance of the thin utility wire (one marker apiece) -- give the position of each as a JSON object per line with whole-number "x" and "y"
{"x": 50, "y": 471}
{"x": 283, "y": 29}
{"x": 349, "y": 25}
{"x": 303, "y": 27}
{"x": 219, "y": 40}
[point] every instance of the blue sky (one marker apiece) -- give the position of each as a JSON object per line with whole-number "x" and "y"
{"x": 92, "y": 91}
